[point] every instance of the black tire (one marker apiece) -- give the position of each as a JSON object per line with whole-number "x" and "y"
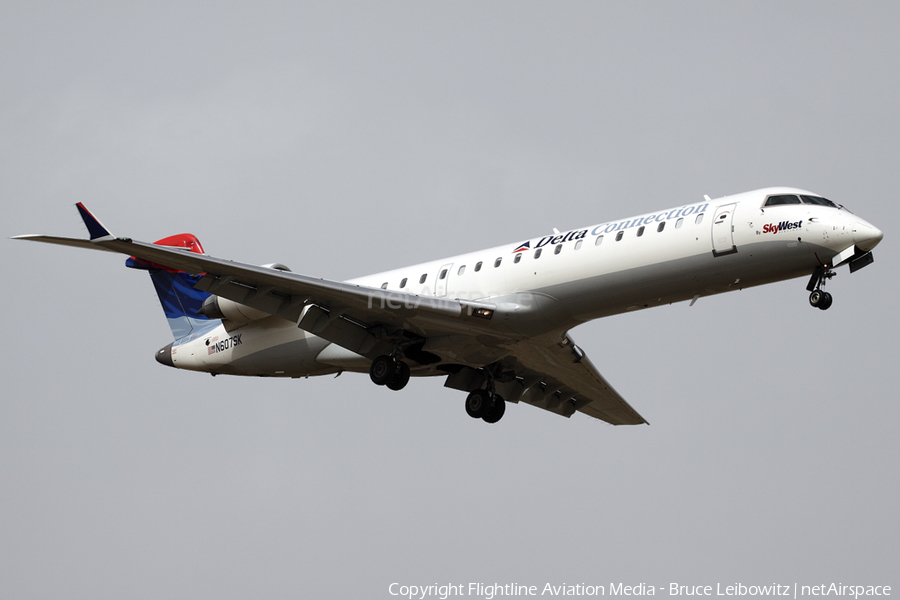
{"x": 382, "y": 370}
{"x": 400, "y": 378}
{"x": 816, "y": 298}
{"x": 826, "y": 301}
{"x": 495, "y": 411}
{"x": 477, "y": 403}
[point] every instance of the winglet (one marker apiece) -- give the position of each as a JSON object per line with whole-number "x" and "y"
{"x": 98, "y": 232}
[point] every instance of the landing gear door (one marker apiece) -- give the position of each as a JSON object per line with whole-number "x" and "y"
{"x": 723, "y": 230}
{"x": 440, "y": 283}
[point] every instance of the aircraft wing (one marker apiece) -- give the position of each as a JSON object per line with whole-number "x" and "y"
{"x": 560, "y": 378}
{"x": 353, "y": 316}
{"x": 556, "y": 377}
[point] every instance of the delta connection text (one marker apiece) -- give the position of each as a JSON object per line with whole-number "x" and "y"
{"x": 490, "y": 591}
{"x": 603, "y": 228}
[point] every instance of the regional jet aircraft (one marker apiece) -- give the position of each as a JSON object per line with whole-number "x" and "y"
{"x": 493, "y": 323}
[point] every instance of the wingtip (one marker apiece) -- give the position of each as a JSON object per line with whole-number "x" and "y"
{"x": 95, "y": 228}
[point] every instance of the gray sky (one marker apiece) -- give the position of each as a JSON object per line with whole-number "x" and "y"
{"x": 343, "y": 139}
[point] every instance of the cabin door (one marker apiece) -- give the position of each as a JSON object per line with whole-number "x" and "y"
{"x": 723, "y": 230}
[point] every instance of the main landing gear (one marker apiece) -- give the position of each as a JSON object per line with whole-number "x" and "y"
{"x": 818, "y": 298}
{"x": 485, "y": 405}
{"x": 388, "y": 371}
{"x": 482, "y": 404}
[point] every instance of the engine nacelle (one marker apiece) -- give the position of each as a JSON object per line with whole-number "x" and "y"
{"x": 215, "y": 307}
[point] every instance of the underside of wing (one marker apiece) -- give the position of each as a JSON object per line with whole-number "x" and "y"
{"x": 559, "y": 377}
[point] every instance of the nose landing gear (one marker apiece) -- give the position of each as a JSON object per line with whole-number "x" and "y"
{"x": 818, "y": 298}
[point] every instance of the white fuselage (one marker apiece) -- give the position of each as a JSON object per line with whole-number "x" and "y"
{"x": 561, "y": 280}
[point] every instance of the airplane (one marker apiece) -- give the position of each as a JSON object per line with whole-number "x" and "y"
{"x": 494, "y": 323}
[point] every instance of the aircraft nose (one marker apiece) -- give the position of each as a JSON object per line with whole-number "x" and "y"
{"x": 164, "y": 356}
{"x": 866, "y": 236}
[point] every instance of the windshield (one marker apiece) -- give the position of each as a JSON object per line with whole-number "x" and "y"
{"x": 780, "y": 199}
{"x": 818, "y": 200}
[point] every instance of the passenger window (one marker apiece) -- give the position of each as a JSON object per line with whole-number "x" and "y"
{"x": 462, "y": 270}
{"x": 661, "y": 227}
{"x": 403, "y": 283}
{"x": 578, "y": 244}
{"x": 619, "y": 236}
{"x": 599, "y": 240}
{"x": 699, "y": 219}
{"x": 640, "y": 231}
{"x": 443, "y": 274}
{"x": 517, "y": 258}
{"x": 478, "y": 266}
{"x": 558, "y": 249}
{"x": 423, "y": 277}
{"x": 497, "y": 262}
{"x": 679, "y": 223}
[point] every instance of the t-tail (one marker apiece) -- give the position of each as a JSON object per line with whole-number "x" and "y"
{"x": 180, "y": 301}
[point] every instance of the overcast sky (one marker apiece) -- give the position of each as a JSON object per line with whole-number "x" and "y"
{"x": 345, "y": 139}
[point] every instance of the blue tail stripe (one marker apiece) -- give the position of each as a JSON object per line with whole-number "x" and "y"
{"x": 180, "y": 301}
{"x": 185, "y": 329}
{"x": 177, "y": 294}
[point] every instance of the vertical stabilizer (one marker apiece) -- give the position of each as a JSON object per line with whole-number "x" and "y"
{"x": 180, "y": 301}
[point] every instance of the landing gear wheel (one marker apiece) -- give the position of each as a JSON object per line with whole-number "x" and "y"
{"x": 821, "y": 300}
{"x": 816, "y": 298}
{"x": 477, "y": 403}
{"x": 382, "y": 370}
{"x": 495, "y": 411}
{"x": 400, "y": 378}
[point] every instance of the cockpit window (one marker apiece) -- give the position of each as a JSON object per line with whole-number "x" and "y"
{"x": 798, "y": 199}
{"x": 817, "y": 200}
{"x": 782, "y": 199}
